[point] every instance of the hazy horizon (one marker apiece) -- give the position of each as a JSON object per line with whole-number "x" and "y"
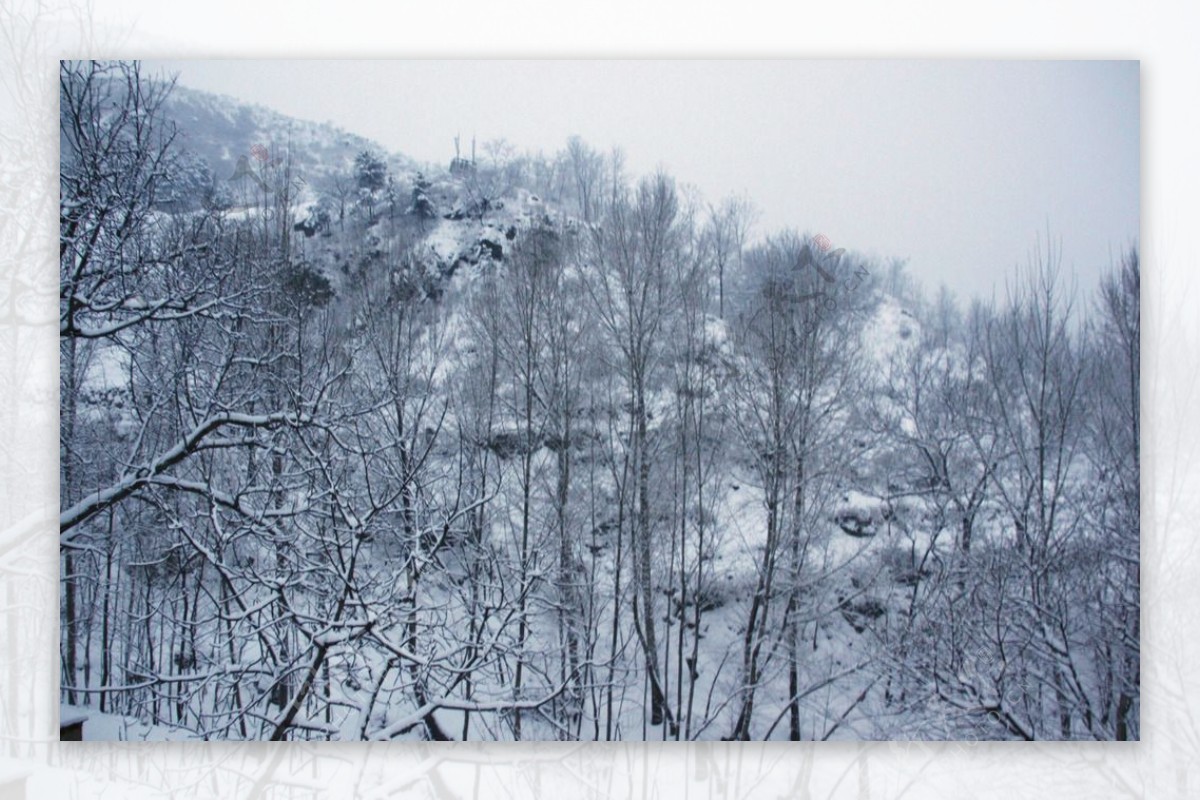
{"x": 957, "y": 167}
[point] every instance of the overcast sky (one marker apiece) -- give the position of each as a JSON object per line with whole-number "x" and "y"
{"x": 956, "y": 166}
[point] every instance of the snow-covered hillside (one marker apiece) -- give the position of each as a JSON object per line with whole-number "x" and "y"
{"x": 526, "y": 448}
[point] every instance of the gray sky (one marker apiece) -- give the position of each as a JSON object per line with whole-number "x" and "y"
{"x": 957, "y": 166}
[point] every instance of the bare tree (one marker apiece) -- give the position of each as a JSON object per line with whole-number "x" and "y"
{"x": 796, "y": 379}
{"x": 728, "y": 229}
{"x": 586, "y": 168}
{"x": 1113, "y": 450}
{"x": 633, "y": 292}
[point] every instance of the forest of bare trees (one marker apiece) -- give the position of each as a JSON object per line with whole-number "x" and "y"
{"x": 624, "y": 467}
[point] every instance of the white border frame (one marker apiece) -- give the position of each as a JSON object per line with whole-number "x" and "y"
{"x": 1161, "y": 35}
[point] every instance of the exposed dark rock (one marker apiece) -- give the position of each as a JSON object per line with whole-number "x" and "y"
{"x": 858, "y": 613}
{"x": 556, "y": 443}
{"x": 507, "y": 444}
{"x": 855, "y": 527}
{"x": 863, "y": 516}
{"x": 493, "y": 249}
